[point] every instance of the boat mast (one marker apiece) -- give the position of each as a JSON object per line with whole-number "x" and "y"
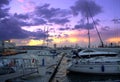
{"x": 43, "y": 44}
{"x": 88, "y": 32}
{"x": 87, "y": 16}
{"x": 102, "y": 44}
{"x": 3, "y": 46}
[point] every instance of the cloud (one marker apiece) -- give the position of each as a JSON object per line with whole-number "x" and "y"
{"x": 116, "y": 20}
{"x": 87, "y": 8}
{"x": 43, "y": 15}
{"x": 11, "y": 24}
{"x": 22, "y": 23}
{"x": 83, "y": 25}
{"x": 46, "y": 12}
{"x": 29, "y": 20}
{"x": 28, "y": 6}
{"x": 66, "y": 35}
{"x": 4, "y": 2}
{"x": 21, "y": 1}
{"x": 21, "y": 16}
{"x": 3, "y": 11}
{"x": 39, "y": 21}
{"x": 52, "y": 15}
{"x": 106, "y": 28}
{"x": 38, "y": 35}
{"x": 34, "y": 22}
{"x": 23, "y": 19}
{"x": 11, "y": 30}
{"x": 59, "y": 21}
{"x": 49, "y": 40}
{"x": 110, "y": 33}
{"x": 62, "y": 29}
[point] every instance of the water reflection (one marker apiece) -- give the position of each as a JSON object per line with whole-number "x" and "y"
{"x": 77, "y": 77}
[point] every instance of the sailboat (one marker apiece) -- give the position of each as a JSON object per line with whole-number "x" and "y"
{"x": 91, "y": 61}
{"x": 96, "y": 62}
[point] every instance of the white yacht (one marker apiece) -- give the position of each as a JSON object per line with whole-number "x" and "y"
{"x": 96, "y": 62}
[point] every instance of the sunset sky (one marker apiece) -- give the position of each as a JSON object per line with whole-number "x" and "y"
{"x": 61, "y": 22}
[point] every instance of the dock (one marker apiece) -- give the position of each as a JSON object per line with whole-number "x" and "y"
{"x": 61, "y": 71}
{"x": 20, "y": 69}
{"x": 3, "y": 78}
{"x": 56, "y": 69}
{"x": 48, "y": 71}
{"x": 39, "y": 71}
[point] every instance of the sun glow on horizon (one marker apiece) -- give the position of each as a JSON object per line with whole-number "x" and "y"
{"x": 35, "y": 42}
{"x": 73, "y": 40}
{"x": 114, "y": 40}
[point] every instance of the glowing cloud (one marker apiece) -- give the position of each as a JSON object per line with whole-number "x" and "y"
{"x": 28, "y": 7}
{"x": 21, "y": 1}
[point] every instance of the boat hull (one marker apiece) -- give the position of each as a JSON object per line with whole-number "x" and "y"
{"x": 112, "y": 69}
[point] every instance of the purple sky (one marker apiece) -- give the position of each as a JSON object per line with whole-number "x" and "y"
{"x": 23, "y": 21}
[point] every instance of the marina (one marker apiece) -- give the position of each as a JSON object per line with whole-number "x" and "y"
{"x": 59, "y": 41}
{"x": 52, "y": 69}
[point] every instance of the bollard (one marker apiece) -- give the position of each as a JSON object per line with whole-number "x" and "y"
{"x": 43, "y": 62}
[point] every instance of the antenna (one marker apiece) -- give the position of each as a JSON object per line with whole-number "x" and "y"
{"x": 44, "y": 37}
{"x": 47, "y": 35}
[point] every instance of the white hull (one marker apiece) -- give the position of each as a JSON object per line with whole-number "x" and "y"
{"x": 111, "y": 68}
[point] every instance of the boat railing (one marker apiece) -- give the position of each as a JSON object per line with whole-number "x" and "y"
{"x": 104, "y": 62}
{"x": 19, "y": 64}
